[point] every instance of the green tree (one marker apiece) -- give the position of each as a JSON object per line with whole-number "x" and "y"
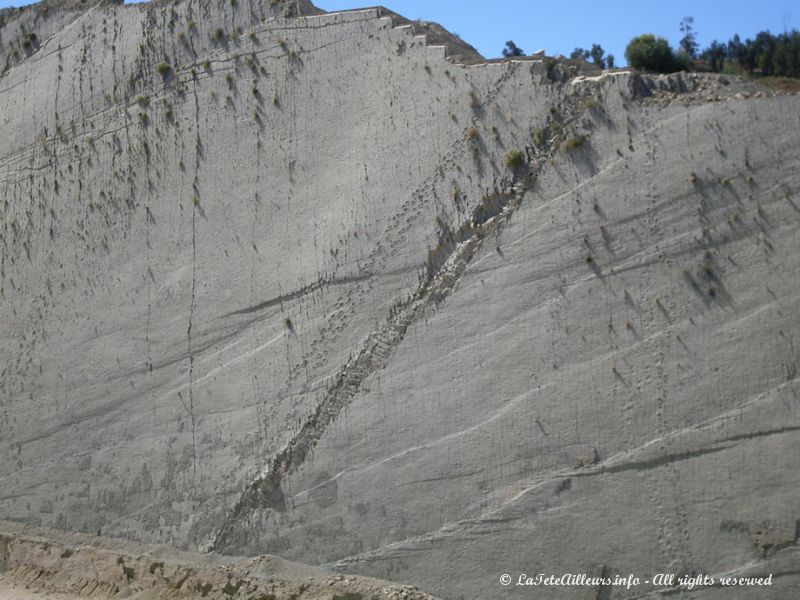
{"x": 767, "y": 54}
{"x": 596, "y": 54}
{"x": 650, "y": 53}
{"x": 715, "y": 56}
{"x": 764, "y": 51}
{"x": 688, "y": 42}
{"x": 736, "y": 51}
{"x": 579, "y": 54}
{"x": 512, "y": 50}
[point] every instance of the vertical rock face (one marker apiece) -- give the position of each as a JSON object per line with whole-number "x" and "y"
{"x": 276, "y": 280}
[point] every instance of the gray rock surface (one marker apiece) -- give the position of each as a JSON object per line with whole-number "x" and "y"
{"x": 269, "y": 285}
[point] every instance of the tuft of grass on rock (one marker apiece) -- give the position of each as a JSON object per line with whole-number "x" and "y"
{"x": 164, "y": 69}
{"x": 590, "y": 104}
{"x": 514, "y": 159}
{"x": 574, "y": 143}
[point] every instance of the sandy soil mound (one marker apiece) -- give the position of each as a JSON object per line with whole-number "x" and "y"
{"x": 41, "y": 563}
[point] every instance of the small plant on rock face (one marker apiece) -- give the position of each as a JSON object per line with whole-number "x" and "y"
{"x": 456, "y": 194}
{"x": 514, "y": 159}
{"x": 590, "y": 104}
{"x": 472, "y": 133}
{"x": 574, "y": 143}
{"x": 474, "y": 102}
{"x": 164, "y": 69}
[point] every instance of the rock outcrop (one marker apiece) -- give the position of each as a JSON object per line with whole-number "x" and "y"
{"x": 328, "y": 286}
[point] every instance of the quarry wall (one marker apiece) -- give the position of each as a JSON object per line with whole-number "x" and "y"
{"x": 281, "y": 281}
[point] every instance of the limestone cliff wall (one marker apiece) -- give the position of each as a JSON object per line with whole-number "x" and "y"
{"x": 269, "y": 284}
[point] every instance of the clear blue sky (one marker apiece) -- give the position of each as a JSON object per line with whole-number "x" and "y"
{"x": 558, "y": 27}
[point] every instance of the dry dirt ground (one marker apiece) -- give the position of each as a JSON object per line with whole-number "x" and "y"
{"x": 9, "y": 591}
{"x": 44, "y": 563}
